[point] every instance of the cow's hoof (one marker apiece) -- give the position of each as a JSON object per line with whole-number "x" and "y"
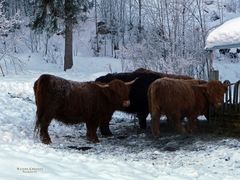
{"x": 93, "y": 140}
{"x": 46, "y": 141}
{"x": 155, "y": 131}
{"x": 143, "y": 125}
{"x": 156, "y": 134}
{"x": 107, "y": 134}
{"x": 190, "y": 129}
{"x": 105, "y": 131}
{"x": 182, "y": 130}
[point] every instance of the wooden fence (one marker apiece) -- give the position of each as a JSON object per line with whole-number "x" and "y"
{"x": 227, "y": 118}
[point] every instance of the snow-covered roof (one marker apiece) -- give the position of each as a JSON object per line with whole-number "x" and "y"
{"x": 226, "y": 35}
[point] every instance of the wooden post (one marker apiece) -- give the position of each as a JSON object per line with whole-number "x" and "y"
{"x": 214, "y": 75}
{"x": 210, "y": 57}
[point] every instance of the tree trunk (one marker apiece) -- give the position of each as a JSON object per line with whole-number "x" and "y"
{"x": 139, "y": 21}
{"x": 96, "y": 24}
{"x": 68, "y": 56}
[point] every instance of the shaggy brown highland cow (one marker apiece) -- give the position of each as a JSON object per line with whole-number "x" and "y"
{"x": 73, "y": 102}
{"x": 182, "y": 98}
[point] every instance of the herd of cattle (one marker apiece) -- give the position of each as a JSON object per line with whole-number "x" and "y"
{"x": 139, "y": 92}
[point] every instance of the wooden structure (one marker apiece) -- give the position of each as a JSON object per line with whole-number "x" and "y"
{"x": 225, "y": 36}
{"x": 212, "y": 73}
{"x": 226, "y": 120}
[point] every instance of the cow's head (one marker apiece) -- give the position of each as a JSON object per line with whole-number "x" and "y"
{"x": 214, "y": 92}
{"x": 120, "y": 89}
{"x": 105, "y": 79}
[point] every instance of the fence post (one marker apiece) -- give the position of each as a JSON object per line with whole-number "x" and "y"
{"x": 214, "y": 75}
{"x": 209, "y": 57}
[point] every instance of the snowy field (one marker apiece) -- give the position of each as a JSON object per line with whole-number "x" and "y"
{"x": 129, "y": 154}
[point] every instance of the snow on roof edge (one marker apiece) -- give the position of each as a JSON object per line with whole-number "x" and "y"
{"x": 226, "y": 35}
{"x": 227, "y": 46}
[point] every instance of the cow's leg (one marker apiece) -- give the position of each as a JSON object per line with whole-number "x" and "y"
{"x": 170, "y": 122}
{"x": 207, "y": 115}
{"x": 105, "y": 130}
{"x": 192, "y": 124}
{"x": 155, "y": 124}
{"x": 92, "y": 132}
{"x": 43, "y": 125}
{"x": 43, "y": 120}
{"x": 142, "y": 119}
{"x": 176, "y": 118}
{"x": 104, "y": 125}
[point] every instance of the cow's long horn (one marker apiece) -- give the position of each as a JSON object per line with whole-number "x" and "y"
{"x": 231, "y": 84}
{"x": 130, "y": 82}
{"x": 103, "y": 85}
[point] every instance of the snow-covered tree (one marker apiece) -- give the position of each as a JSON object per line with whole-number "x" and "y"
{"x": 59, "y": 16}
{"x": 7, "y": 24}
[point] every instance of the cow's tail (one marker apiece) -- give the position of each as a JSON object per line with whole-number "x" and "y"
{"x": 149, "y": 100}
{"x": 153, "y": 110}
{"x": 36, "y": 93}
{"x": 40, "y": 87}
{"x": 153, "y": 105}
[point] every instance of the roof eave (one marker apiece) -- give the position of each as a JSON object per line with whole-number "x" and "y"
{"x": 227, "y": 46}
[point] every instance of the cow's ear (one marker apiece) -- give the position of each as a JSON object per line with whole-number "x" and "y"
{"x": 202, "y": 81}
{"x": 102, "y": 85}
{"x": 130, "y": 82}
{"x": 226, "y": 87}
{"x": 201, "y": 87}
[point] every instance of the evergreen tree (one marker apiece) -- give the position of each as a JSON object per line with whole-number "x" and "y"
{"x": 6, "y": 24}
{"x": 49, "y": 14}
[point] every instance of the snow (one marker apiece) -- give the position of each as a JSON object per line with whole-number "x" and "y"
{"x": 228, "y": 71}
{"x": 130, "y": 154}
{"x": 226, "y": 35}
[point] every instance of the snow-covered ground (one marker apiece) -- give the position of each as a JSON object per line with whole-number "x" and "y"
{"x": 129, "y": 154}
{"x": 228, "y": 71}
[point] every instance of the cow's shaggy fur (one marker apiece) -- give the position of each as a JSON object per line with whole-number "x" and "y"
{"x": 182, "y": 98}
{"x": 73, "y": 102}
{"x": 138, "y": 91}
